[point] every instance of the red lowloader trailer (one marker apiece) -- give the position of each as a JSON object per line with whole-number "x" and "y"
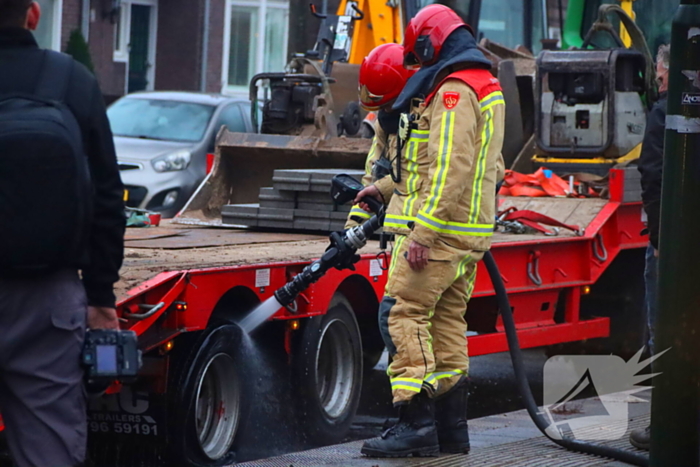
{"x": 183, "y": 290}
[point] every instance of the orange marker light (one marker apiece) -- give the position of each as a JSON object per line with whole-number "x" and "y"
{"x": 167, "y": 347}
{"x": 586, "y": 289}
{"x": 294, "y": 324}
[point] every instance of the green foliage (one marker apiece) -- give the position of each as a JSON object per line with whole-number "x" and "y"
{"x": 78, "y": 49}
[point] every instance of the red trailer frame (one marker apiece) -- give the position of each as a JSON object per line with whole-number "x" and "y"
{"x": 534, "y": 272}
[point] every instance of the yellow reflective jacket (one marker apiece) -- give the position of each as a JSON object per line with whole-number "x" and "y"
{"x": 451, "y": 163}
{"x": 382, "y": 145}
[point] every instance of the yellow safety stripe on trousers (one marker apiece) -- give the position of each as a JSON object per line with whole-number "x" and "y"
{"x": 409, "y": 384}
{"x": 438, "y": 375}
{"x": 399, "y": 241}
{"x": 471, "y": 280}
{"x": 454, "y": 228}
{"x": 462, "y": 267}
{"x": 486, "y": 134}
{"x": 443, "y": 162}
{"x": 399, "y": 222}
{"x": 357, "y": 211}
{"x": 412, "y": 182}
{"x": 492, "y": 100}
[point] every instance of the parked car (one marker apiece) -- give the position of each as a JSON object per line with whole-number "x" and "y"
{"x": 162, "y": 141}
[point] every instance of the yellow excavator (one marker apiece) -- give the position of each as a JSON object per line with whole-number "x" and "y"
{"x": 567, "y": 109}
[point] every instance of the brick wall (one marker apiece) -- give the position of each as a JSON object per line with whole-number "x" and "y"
{"x": 216, "y": 45}
{"x": 70, "y": 20}
{"x": 179, "y": 45}
{"x": 110, "y": 74}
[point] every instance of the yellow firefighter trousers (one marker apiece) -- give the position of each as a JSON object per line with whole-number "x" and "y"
{"x": 422, "y": 319}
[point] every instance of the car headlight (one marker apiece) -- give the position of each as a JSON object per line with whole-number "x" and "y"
{"x": 176, "y": 161}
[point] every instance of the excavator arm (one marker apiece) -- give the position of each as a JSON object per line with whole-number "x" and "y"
{"x": 382, "y": 24}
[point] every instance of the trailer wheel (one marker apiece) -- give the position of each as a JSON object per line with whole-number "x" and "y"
{"x": 328, "y": 373}
{"x": 208, "y": 407}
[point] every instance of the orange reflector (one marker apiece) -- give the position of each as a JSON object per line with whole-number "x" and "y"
{"x": 294, "y": 324}
{"x": 167, "y": 347}
{"x": 586, "y": 289}
{"x": 210, "y": 162}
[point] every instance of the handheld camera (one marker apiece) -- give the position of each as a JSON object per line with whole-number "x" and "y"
{"x": 110, "y": 355}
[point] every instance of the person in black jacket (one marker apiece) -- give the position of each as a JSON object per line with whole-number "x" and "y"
{"x": 650, "y": 166}
{"x": 43, "y": 316}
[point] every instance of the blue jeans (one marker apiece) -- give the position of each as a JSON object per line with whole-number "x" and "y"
{"x": 651, "y": 290}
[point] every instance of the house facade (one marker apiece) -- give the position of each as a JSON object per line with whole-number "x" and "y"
{"x": 194, "y": 45}
{"x": 189, "y": 45}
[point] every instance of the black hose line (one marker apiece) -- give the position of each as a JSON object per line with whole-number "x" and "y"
{"x": 524, "y": 386}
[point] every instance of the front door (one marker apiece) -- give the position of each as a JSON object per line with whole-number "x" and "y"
{"x": 140, "y": 48}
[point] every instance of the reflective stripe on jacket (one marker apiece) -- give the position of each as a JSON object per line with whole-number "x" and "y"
{"x": 382, "y": 144}
{"x": 451, "y": 163}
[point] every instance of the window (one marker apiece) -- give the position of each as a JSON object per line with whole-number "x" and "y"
{"x": 121, "y": 30}
{"x": 48, "y": 34}
{"x": 256, "y": 41}
{"x": 655, "y": 18}
{"x": 243, "y": 45}
{"x": 159, "y": 119}
{"x": 233, "y": 120}
{"x": 276, "y": 25}
{"x": 507, "y": 22}
{"x": 502, "y": 22}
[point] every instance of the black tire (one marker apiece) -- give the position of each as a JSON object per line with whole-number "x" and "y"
{"x": 208, "y": 406}
{"x": 351, "y": 118}
{"x": 328, "y": 373}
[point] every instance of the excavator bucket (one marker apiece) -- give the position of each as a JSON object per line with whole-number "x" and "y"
{"x": 245, "y": 162}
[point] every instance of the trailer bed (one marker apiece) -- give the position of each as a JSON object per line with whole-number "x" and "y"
{"x": 175, "y": 247}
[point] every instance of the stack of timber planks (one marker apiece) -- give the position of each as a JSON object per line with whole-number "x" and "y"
{"x": 298, "y": 200}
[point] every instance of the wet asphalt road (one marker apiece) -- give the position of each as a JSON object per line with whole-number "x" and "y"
{"x": 271, "y": 428}
{"x": 271, "y": 431}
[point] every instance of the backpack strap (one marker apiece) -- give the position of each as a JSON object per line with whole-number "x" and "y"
{"x": 56, "y": 71}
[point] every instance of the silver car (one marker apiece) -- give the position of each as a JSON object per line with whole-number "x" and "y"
{"x": 162, "y": 141}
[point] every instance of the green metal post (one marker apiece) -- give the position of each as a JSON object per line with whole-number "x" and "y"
{"x": 675, "y": 410}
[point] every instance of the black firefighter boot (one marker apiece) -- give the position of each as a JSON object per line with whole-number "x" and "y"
{"x": 451, "y": 418}
{"x": 414, "y": 434}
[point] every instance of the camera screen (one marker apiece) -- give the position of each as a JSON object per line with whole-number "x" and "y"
{"x": 106, "y": 359}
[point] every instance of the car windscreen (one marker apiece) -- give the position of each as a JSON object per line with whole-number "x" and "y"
{"x": 159, "y": 119}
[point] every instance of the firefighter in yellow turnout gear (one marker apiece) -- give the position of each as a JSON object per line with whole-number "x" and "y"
{"x": 444, "y": 203}
{"x": 442, "y": 211}
{"x": 382, "y": 77}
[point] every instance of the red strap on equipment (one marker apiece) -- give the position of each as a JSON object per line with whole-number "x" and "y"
{"x": 533, "y": 220}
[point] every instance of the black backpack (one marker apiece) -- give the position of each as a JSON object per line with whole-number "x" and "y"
{"x": 45, "y": 188}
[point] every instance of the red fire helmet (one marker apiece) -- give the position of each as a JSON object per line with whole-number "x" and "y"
{"x": 427, "y": 32}
{"x": 382, "y": 76}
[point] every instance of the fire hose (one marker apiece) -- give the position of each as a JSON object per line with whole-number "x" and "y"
{"x": 342, "y": 254}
